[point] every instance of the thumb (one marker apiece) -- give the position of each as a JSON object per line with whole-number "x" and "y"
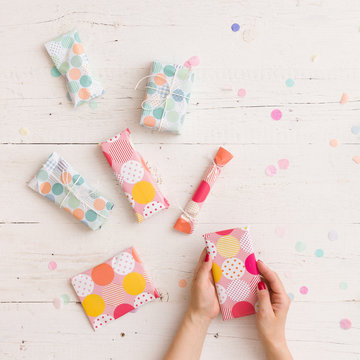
{"x": 264, "y": 298}
{"x": 205, "y": 267}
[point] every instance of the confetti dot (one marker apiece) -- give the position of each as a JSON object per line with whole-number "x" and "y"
{"x": 55, "y": 72}
{"x": 182, "y": 283}
{"x": 52, "y": 265}
{"x": 334, "y": 143}
{"x": 241, "y": 93}
{"x": 58, "y": 303}
{"x": 345, "y": 324}
{"x": 270, "y": 170}
{"x": 291, "y": 296}
{"x": 283, "y": 164}
{"x": 289, "y": 82}
{"x": 235, "y": 27}
{"x": 300, "y": 246}
{"x": 344, "y": 98}
{"x": 355, "y": 130}
{"x": 356, "y": 159}
{"x": 304, "y": 290}
{"x": 65, "y": 298}
{"x": 93, "y": 104}
{"x": 276, "y": 114}
{"x": 23, "y": 131}
{"x": 343, "y": 285}
{"x": 314, "y": 57}
{"x": 319, "y": 252}
{"x": 194, "y": 61}
{"x": 333, "y": 235}
{"x": 280, "y": 231}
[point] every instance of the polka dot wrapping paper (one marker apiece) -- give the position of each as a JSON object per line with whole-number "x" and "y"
{"x": 60, "y": 183}
{"x": 186, "y": 222}
{"x": 234, "y": 270}
{"x": 113, "y": 288}
{"x": 167, "y": 96}
{"x": 134, "y": 176}
{"x": 69, "y": 57}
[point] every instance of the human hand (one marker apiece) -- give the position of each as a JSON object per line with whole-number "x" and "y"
{"x": 271, "y": 317}
{"x": 204, "y": 303}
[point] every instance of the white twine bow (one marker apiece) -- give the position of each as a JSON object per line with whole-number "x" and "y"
{"x": 184, "y": 212}
{"x": 170, "y": 93}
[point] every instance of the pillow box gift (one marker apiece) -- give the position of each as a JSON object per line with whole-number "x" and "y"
{"x": 167, "y": 96}
{"x": 59, "y": 182}
{"x": 113, "y": 288}
{"x": 234, "y": 271}
{"x": 67, "y": 53}
{"x": 134, "y": 176}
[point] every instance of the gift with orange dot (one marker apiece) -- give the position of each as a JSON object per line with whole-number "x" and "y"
{"x": 167, "y": 95}
{"x": 69, "y": 57}
{"x": 60, "y": 183}
{"x": 134, "y": 176}
{"x": 114, "y": 288}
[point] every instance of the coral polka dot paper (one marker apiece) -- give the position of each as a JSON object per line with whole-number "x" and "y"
{"x": 234, "y": 271}
{"x": 67, "y": 53}
{"x": 135, "y": 178}
{"x": 59, "y": 182}
{"x": 114, "y": 288}
{"x": 167, "y": 96}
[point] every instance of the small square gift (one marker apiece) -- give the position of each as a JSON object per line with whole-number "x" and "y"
{"x": 60, "y": 183}
{"x": 234, "y": 271}
{"x": 113, "y": 288}
{"x": 167, "y": 96}
{"x": 69, "y": 57}
{"x": 134, "y": 176}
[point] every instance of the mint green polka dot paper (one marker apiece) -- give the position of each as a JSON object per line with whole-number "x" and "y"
{"x": 60, "y": 183}
{"x": 69, "y": 57}
{"x": 167, "y": 96}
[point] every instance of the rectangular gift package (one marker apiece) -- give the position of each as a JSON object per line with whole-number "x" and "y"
{"x": 113, "y": 288}
{"x": 167, "y": 96}
{"x": 134, "y": 176}
{"x": 67, "y": 53}
{"x": 234, "y": 270}
{"x": 59, "y": 182}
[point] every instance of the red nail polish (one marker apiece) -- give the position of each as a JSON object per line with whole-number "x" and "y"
{"x": 261, "y": 285}
{"x": 207, "y": 258}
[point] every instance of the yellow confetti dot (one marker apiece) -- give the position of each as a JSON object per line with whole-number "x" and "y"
{"x": 134, "y": 283}
{"x": 23, "y": 131}
{"x": 228, "y": 246}
{"x": 143, "y": 192}
{"x": 93, "y": 305}
{"x": 217, "y": 273}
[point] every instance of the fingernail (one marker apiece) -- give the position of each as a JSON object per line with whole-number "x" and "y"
{"x": 207, "y": 258}
{"x": 259, "y": 260}
{"x": 261, "y": 285}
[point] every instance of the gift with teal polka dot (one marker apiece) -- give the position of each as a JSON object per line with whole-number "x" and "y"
{"x": 67, "y": 53}
{"x": 59, "y": 182}
{"x": 167, "y": 96}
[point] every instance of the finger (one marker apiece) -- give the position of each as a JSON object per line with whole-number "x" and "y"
{"x": 204, "y": 272}
{"x": 271, "y": 277}
{"x": 264, "y": 299}
{"x": 201, "y": 260}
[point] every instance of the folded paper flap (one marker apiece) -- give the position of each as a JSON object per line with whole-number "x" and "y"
{"x": 222, "y": 157}
{"x": 182, "y": 226}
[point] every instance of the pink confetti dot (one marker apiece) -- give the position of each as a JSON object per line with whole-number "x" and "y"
{"x": 182, "y": 283}
{"x": 334, "y": 143}
{"x": 344, "y": 98}
{"x": 304, "y": 290}
{"x": 241, "y": 92}
{"x": 345, "y": 324}
{"x": 283, "y": 164}
{"x": 276, "y": 114}
{"x": 193, "y": 61}
{"x": 52, "y": 265}
{"x": 356, "y": 159}
{"x": 270, "y": 170}
{"x": 280, "y": 231}
{"x": 58, "y": 303}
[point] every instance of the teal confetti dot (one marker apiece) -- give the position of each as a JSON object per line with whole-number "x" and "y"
{"x": 64, "y": 67}
{"x": 355, "y": 130}
{"x": 290, "y": 82}
{"x": 172, "y": 116}
{"x": 300, "y": 246}
{"x": 178, "y": 95}
{"x": 76, "y": 181}
{"x": 291, "y": 296}
{"x": 76, "y": 61}
{"x": 73, "y": 201}
{"x": 319, "y": 252}
{"x": 77, "y": 37}
{"x": 57, "y": 189}
{"x": 67, "y": 42}
{"x": 109, "y": 205}
{"x": 91, "y": 215}
{"x": 158, "y": 112}
{"x": 183, "y": 73}
{"x": 42, "y": 175}
{"x": 343, "y": 285}
{"x": 169, "y": 70}
{"x": 151, "y": 88}
{"x": 85, "y": 81}
{"x": 55, "y": 72}
{"x": 93, "y": 104}
{"x": 65, "y": 298}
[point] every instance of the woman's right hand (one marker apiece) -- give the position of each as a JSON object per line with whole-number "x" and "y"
{"x": 271, "y": 317}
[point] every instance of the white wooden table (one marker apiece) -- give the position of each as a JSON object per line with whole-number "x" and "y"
{"x": 319, "y": 192}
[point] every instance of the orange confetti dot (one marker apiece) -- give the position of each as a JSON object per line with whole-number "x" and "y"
{"x": 149, "y": 121}
{"x": 45, "y": 187}
{"x": 334, "y": 143}
{"x": 160, "y": 79}
{"x": 78, "y": 213}
{"x": 68, "y": 210}
{"x": 78, "y": 49}
{"x": 84, "y": 93}
{"x": 356, "y": 159}
{"x": 344, "y": 98}
{"x": 99, "y": 204}
{"x": 65, "y": 178}
{"x": 182, "y": 283}
{"x": 74, "y": 74}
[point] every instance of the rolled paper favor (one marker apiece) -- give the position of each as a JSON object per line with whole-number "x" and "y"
{"x": 134, "y": 176}
{"x": 234, "y": 271}
{"x": 167, "y": 96}
{"x": 113, "y": 288}
{"x": 69, "y": 57}
{"x": 186, "y": 222}
{"x": 59, "y": 182}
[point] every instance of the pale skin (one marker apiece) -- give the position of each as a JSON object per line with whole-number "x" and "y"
{"x": 204, "y": 306}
